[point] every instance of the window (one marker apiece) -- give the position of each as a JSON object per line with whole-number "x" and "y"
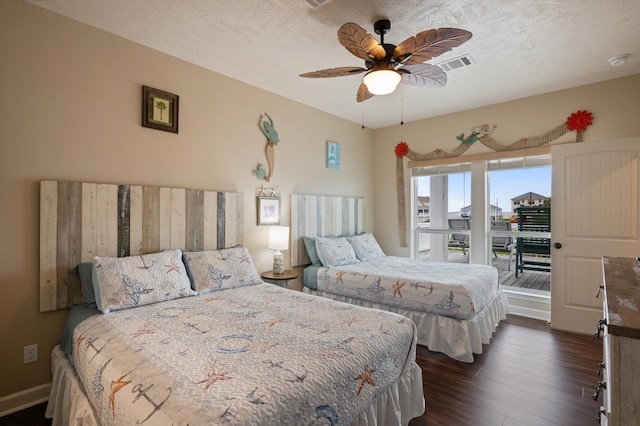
{"x": 442, "y": 198}
{"x": 446, "y": 192}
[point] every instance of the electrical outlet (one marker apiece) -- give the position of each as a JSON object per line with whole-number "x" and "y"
{"x": 30, "y": 353}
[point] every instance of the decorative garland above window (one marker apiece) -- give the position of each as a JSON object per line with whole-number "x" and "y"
{"x": 578, "y": 121}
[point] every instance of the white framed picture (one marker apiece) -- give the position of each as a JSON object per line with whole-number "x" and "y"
{"x": 268, "y": 211}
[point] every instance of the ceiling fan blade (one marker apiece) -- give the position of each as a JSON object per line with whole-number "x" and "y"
{"x": 429, "y": 44}
{"x": 423, "y": 75}
{"x": 357, "y": 41}
{"x": 363, "y": 93}
{"x": 334, "y": 72}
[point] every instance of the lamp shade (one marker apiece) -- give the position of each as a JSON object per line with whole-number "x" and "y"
{"x": 279, "y": 238}
{"x": 381, "y": 81}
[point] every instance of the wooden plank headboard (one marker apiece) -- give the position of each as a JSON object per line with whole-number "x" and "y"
{"x": 322, "y": 215}
{"x": 80, "y": 220}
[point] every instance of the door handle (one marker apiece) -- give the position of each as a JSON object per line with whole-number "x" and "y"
{"x": 557, "y": 245}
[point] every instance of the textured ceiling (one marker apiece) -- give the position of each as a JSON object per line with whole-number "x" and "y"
{"x": 520, "y": 48}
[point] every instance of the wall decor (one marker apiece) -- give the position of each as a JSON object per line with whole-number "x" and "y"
{"x": 268, "y": 211}
{"x": 159, "y": 109}
{"x": 266, "y": 126}
{"x": 268, "y": 192}
{"x": 333, "y": 155}
{"x": 578, "y": 121}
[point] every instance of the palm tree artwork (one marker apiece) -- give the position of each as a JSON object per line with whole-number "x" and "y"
{"x": 161, "y": 105}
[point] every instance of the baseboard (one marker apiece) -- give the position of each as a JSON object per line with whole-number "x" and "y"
{"x": 24, "y": 399}
{"x": 530, "y": 305}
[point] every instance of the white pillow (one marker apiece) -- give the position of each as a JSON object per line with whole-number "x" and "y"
{"x": 127, "y": 282}
{"x": 221, "y": 269}
{"x": 366, "y": 247}
{"x": 335, "y": 251}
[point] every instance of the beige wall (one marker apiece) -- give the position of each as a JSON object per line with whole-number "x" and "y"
{"x": 70, "y": 109}
{"x": 615, "y": 105}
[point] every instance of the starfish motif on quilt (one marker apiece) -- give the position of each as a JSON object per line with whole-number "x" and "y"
{"x": 396, "y": 288}
{"x": 339, "y": 276}
{"x": 275, "y": 321}
{"x": 214, "y": 375}
{"x": 146, "y": 328}
{"x": 115, "y": 387}
{"x": 366, "y": 377}
{"x": 349, "y": 321}
{"x": 173, "y": 266}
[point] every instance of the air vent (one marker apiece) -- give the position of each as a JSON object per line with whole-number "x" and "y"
{"x": 456, "y": 63}
{"x": 316, "y": 3}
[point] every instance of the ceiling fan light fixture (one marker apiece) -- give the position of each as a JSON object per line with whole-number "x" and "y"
{"x": 381, "y": 82}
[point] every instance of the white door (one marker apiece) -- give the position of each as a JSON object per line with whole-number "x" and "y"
{"x": 594, "y": 212}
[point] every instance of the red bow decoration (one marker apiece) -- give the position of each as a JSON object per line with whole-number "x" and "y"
{"x": 579, "y": 121}
{"x": 402, "y": 149}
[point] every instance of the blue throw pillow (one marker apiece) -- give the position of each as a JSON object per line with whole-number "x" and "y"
{"x": 310, "y": 245}
{"x": 85, "y": 271}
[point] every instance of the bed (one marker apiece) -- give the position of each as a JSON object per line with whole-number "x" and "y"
{"x": 456, "y": 307}
{"x": 194, "y": 336}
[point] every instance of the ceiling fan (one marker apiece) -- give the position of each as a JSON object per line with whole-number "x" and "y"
{"x": 386, "y": 64}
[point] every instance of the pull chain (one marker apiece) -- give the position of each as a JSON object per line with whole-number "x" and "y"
{"x": 401, "y": 106}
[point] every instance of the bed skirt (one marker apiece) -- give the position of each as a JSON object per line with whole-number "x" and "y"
{"x": 458, "y": 339}
{"x": 69, "y": 405}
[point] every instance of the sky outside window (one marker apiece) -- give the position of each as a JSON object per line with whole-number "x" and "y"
{"x": 504, "y": 185}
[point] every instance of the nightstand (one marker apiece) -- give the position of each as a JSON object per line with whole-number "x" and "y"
{"x": 281, "y": 279}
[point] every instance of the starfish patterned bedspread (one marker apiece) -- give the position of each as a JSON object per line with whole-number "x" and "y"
{"x": 448, "y": 289}
{"x": 252, "y": 355}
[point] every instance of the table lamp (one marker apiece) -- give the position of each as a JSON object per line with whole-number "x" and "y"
{"x": 278, "y": 240}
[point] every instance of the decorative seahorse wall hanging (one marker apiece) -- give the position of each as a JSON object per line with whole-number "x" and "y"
{"x": 266, "y": 126}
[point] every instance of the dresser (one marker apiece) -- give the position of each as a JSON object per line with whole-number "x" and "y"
{"x": 619, "y": 385}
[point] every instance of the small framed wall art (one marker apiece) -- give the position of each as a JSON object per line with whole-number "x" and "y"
{"x": 268, "y": 211}
{"x": 333, "y": 155}
{"x": 159, "y": 109}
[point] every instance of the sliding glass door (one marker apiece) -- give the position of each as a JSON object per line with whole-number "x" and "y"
{"x": 442, "y": 200}
{"x": 465, "y": 207}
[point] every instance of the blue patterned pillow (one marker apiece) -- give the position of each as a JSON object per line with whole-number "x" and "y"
{"x": 366, "y": 247}
{"x": 127, "y": 282}
{"x": 335, "y": 251}
{"x": 221, "y": 269}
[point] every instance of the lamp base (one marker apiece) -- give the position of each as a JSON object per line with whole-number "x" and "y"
{"x": 278, "y": 263}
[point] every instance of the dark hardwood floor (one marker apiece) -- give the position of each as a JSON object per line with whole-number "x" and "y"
{"x": 528, "y": 375}
{"x": 33, "y": 416}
